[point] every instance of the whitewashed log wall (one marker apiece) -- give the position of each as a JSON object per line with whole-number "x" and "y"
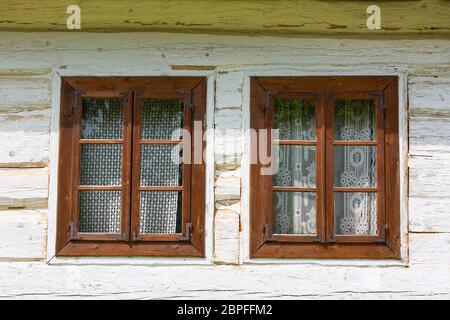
{"x": 29, "y": 63}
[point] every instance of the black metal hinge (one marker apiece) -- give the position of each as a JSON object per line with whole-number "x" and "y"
{"x": 383, "y": 106}
{"x": 187, "y": 237}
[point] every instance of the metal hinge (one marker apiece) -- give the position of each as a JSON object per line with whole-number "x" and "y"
{"x": 383, "y": 106}
{"x": 319, "y": 237}
{"x": 187, "y": 237}
{"x": 331, "y": 239}
{"x": 267, "y": 235}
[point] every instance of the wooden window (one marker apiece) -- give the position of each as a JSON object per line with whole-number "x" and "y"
{"x": 124, "y": 188}
{"x": 335, "y": 189}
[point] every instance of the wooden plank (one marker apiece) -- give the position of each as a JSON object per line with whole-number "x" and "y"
{"x": 429, "y": 249}
{"x": 429, "y": 214}
{"x": 23, "y": 234}
{"x": 130, "y": 53}
{"x": 25, "y": 137}
{"x": 289, "y": 17}
{"x": 430, "y": 136}
{"x": 429, "y": 177}
{"x": 36, "y": 280}
{"x": 23, "y": 188}
{"x": 429, "y": 96}
{"x": 24, "y": 91}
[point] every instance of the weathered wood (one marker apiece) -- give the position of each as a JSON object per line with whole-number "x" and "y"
{"x": 429, "y": 248}
{"x": 222, "y": 282}
{"x": 429, "y": 214}
{"x": 430, "y": 136}
{"x": 25, "y": 138}
{"x": 429, "y": 177}
{"x": 23, "y": 234}
{"x": 131, "y": 53}
{"x": 289, "y": 17}
{"x": 23, "y": 188}
{"x": 24, "y": 91}
{"x": 429, "y": 96}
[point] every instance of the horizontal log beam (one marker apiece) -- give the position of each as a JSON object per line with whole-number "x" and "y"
{"x": 288, "y": 17}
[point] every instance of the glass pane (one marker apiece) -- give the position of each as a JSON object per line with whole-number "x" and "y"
{"x": 354, "y": 120}
{"x": 161, "y": 165}
{"x": 294, "y": 213}
{"x": 101, "y": 165}
{"x": 297, "y": 166}
{"x": 100, "y": 211}
{"x": 162, "y": 119}
{"x": 295, "y": 119}
{"x": 102, "y": 119}
{"x": 355, "y": 166}
{"x": 355, "y": 213}
{"x": 160, "y": 212}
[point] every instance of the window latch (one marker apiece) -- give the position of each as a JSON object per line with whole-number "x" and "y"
{"x": 187, "y": 237}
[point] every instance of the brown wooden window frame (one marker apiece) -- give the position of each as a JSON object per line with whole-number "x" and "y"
{"x": 323, "y": 89}
{"x": 70, "y": 242}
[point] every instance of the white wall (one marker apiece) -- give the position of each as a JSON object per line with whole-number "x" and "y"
{"x": 30, "y": 66}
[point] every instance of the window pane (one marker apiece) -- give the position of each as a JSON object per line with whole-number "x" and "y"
{"x": 100, "y": 211}
{"x": 297, "y": 166}
{"x": 161, "y": 165}
{"x": 355, "y": 166}
{"x": 102, "y": 119}
{"x": 162, "y": 119}
{"x": 294, "y": 213}
{"x": 295, "y": 119}
{"x": 354, "y": 120}
{"x": 355, "y": 213}
{"x": 160, "y": 212}
{"x": 101, "y": 164}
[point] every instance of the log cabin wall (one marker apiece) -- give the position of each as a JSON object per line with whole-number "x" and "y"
{"x": 30, "y": 68}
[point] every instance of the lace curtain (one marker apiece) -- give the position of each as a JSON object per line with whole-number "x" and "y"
{"x": 355, "y": 166}
{"x": 161, "y": 211}
{"x": 295, "y": 212}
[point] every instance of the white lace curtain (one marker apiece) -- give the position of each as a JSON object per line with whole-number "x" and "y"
{"x": 355, "y": 166}
{"x": 295, "y": 212}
